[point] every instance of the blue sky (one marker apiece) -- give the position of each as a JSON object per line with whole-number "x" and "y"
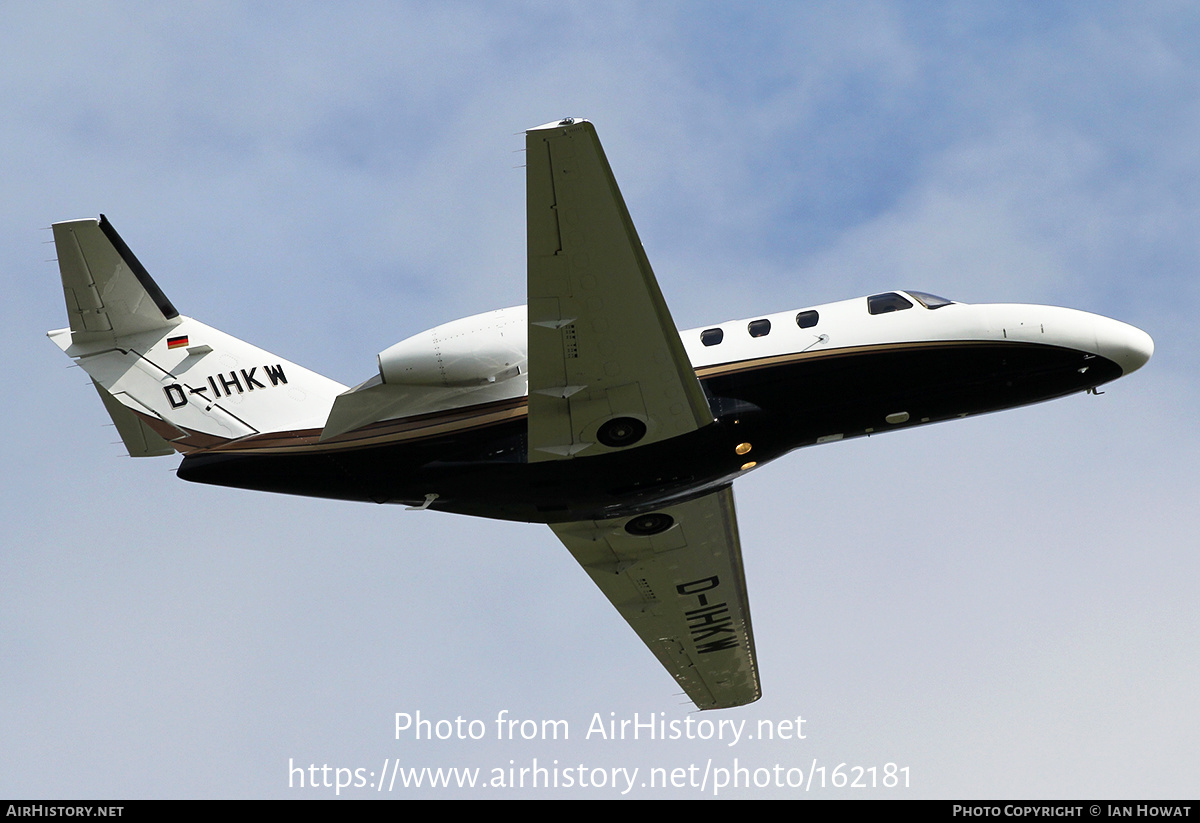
{"x": 1004, "y": 604}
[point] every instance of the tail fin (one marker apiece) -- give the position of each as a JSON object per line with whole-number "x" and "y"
{"x": 168, "y": 381}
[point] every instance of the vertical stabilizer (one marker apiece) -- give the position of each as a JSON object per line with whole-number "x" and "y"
{"x": 107, "y": 289}
{"x": 170, "y": 382}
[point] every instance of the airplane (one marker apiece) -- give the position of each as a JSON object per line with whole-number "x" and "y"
{"x": 586, "y": 410}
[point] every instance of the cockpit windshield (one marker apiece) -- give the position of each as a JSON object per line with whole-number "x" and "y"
{"x": 929, "y": 301}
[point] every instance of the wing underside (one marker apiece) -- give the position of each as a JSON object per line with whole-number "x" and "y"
{"x": 607, "y": 370}
{"x": 608, "y": 373}
{"x": 676, "y": 576}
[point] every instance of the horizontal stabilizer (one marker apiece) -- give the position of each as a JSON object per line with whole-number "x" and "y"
{"x": 374, "y": 400}
{"x": 140, "y": 440}
{"x": 366, "y": 403}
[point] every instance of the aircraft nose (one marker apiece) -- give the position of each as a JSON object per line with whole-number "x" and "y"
{"x": 1127, "y": 346}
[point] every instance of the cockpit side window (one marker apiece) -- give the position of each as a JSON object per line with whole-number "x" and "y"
{"x": 711, "y": 337}
{"x": 884, "y": 303}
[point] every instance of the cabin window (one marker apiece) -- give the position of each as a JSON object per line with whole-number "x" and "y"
{"x": 711, "y": 337}
{"x": 929, "y": 301}
{"x": 884, "y": 303}
{"x": 759, "y": 328}
{"x": 806, "y": 319}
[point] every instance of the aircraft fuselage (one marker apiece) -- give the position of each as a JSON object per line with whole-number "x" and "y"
{"x": 774, "y": 384}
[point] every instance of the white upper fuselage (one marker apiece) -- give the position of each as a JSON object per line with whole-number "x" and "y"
{"x": 483, "y": 358}
{"x": 847, "y": 324}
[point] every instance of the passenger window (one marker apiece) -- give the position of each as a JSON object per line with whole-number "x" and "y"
{"x": 711, "y": 337}
{"x": 759, "y": 328}
{"x": 806, "y": 319}
{"x": 884, "y": 303}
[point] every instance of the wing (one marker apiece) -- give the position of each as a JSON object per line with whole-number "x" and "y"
{"x": 676, "y": 576}
{"x": 607, "y": 369}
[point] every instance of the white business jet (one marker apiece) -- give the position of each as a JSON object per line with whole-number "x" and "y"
{"x": 586, "y": 410}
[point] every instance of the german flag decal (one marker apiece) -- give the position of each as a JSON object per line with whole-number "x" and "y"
{"x": 177, "y": 342}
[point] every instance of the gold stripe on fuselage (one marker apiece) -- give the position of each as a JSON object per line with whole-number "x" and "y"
{"x": 466, "y": 418}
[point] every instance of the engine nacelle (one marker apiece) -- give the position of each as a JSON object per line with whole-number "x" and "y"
{"x": 485, "y": 348}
